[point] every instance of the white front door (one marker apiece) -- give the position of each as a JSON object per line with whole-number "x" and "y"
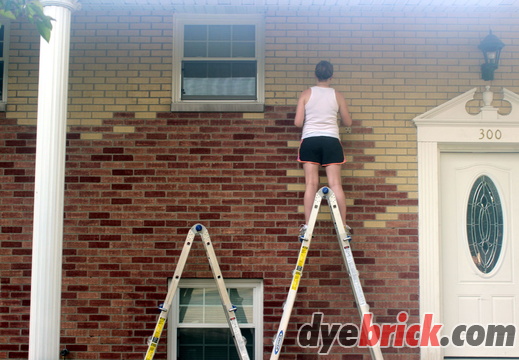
{"x": 479, "y": 230}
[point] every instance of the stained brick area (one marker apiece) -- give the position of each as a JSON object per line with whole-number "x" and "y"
{"x": 131, "y": 198}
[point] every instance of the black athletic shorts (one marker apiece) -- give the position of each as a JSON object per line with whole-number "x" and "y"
{"x": 322, "y": 150}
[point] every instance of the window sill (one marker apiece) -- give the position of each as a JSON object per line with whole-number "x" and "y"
{"x": 217, "y": 107}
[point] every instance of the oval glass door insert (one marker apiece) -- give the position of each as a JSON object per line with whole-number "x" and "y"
{"x": 484, "y": 224}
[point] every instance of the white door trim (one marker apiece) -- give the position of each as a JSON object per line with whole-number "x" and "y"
{"x": 449, "y": 127}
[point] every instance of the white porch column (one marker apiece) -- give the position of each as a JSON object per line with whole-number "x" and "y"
{"x": 45, "y": 310}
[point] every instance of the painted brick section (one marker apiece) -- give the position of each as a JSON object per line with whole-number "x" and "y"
{"x": 138, "y": 176}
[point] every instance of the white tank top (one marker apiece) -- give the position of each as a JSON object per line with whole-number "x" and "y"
{"x": 321, "y": 113}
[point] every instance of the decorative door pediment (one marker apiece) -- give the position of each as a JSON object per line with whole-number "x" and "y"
{"x": 451, "y": 122}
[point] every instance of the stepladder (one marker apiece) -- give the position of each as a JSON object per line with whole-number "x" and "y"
{"x": 228, "y": 307}
{"x": 344, "y": 238}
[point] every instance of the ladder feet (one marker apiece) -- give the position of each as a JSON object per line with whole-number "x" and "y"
{"x": 302, "y": 232}
{"x": 349, "y": 231}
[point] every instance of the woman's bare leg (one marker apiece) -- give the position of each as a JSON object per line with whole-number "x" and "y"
{"x": 333, "y": 173}
{"x": 312, "y": 185}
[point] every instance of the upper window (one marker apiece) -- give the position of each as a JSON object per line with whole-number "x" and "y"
{"x": 4, "y": 37}
{"x": 198, "y": 328}
{"x": 218, "y": 63}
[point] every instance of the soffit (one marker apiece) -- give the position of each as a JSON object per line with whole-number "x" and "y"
{"x": 229, "y": 6}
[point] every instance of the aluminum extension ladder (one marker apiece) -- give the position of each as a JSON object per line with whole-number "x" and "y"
{"x": 229, "y": 309}
{"x": 323, "y": 193}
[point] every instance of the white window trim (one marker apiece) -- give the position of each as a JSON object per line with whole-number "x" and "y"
{"x": 181, "y": 19}
{"x": 257, "y": 324}
{"x": 3, "y": 100}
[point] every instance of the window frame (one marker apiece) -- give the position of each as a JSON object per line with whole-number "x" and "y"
{"x": 182, "y": 19}
{"x": 257, "y": 324}
{"x": 5, "y": 58}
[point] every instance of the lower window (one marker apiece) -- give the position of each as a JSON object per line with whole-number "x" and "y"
{"x": 198, "y": 329}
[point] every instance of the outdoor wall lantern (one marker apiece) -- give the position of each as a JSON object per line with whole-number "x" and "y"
{"x": 491, "y": 47}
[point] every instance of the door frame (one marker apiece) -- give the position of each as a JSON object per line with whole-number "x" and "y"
{"x": 450, "y": 128}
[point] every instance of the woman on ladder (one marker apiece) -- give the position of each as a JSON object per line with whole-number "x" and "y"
{"x": 316, "y": 113}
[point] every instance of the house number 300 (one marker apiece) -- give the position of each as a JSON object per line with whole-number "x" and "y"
{"x": 490, "y": 134}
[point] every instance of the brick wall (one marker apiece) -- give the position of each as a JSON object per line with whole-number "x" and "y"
{"x": 138, "y": 176}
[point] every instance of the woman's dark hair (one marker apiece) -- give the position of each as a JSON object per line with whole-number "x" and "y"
{"x": 323, "y": 70}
